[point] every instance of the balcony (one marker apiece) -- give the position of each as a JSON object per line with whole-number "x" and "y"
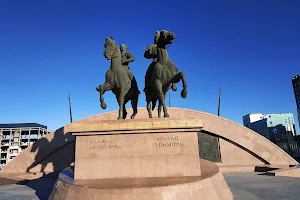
{"x": 34, "y": 137}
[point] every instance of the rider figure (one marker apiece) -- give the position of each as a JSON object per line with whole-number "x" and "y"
{"x": 126, "y": 57}
{"x": 151, "y": 52}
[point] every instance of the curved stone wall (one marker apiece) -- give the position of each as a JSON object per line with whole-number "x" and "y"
{"x": 239, "y": 146}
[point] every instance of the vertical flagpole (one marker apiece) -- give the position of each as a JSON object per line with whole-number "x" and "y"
{"x": 219, "y": 103}
{"x": 70, "y": 107}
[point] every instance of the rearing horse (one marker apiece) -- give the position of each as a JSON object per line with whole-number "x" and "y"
{"x": 161, "y": 77}
{"x": 119, "y": 80}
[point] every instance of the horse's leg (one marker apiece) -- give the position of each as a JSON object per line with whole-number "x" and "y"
{"x": 148, "y": 100}
{"x": 161, "y": 97}
{"x": 176, "y": 79}
{"x": 149, "y": 109}
{"x": 159, "y": 108}
{"x": 101, "y": 89}
{"x": 121, "y": 102}
{"x": 134, "y": 103}
{"x": 164, "y": 106}
{"x": 124, "y": 109}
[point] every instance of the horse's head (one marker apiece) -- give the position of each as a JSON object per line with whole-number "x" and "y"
{"x": 111, "y": 48}
{"x": 164, "y": 37}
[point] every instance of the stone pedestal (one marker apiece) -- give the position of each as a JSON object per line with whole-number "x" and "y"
{"x": 134, "y": 151}
{"x": 155, "y": 159}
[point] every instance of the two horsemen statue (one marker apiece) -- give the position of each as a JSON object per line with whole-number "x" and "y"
{"x": 162, "y": 75}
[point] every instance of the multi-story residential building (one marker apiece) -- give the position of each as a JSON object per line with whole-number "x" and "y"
{"x": 271, "y": 126}
{"x": 296, "y": 86}
{"x": 14, "y": 138}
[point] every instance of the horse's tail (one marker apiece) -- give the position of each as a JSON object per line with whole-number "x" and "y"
{"x": 153, "y": 103}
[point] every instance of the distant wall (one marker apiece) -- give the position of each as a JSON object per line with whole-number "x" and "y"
{"x": 238, "y": 144}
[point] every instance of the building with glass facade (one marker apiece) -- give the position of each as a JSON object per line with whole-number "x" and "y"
{"x": 271, "y": 126}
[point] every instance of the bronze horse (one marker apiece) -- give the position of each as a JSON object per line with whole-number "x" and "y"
{"x": 162, "y": 73}
{"x": 119, "y": 80}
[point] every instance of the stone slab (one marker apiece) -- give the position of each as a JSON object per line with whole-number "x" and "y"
{"x": 139, "y": 131}
{"x": 137, "y": 155}
{"x": 291, "y": 172}
{"x": 117, "y": 125}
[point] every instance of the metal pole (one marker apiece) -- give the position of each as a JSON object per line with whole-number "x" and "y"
{"x": 219, "y": 103}
{"x": 70, "y": 107}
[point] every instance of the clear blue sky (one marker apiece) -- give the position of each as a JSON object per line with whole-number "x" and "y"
{"x": 250, "y": 48}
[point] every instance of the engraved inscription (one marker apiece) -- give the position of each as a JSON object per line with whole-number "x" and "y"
{"x": 169, "y": 141}
{"x": 104, "y": 141}
{"x": 83, "y": 127}
{"x": 168, "y": 138}
{"x": 105, "y": 126}
{"x": 177, "y": 124}
{"x": 143, "y": 125}
{"x": 126, "y": 126}
{"x": 168, "y": 144}
{"x": 193, "y": 123}
{"x": 104, "y": 144}
{"x": 109, "y": 126}
{"x": 160, "y": 124}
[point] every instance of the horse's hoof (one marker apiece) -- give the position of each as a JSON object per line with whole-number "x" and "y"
{"x": 132, "y": 116}
{"x": 103, "y": 106}
{"x": 150, "y": 117}
{"x": 184, "y": 93}
{"x": 174, "y": 88}
{"x": 120, "y": 118}
{"x": 166, "y": 115}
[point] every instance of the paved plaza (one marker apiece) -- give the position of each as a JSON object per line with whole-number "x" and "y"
{"x": 244, "y": 186}
{"x": 251, "y": 186}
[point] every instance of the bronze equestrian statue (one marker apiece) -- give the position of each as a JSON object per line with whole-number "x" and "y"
{"x": 119, "y": 80}
{"x": 162, "y": 74}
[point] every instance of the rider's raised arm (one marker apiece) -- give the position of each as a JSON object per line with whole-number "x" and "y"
{"x": 150, "y": 52}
